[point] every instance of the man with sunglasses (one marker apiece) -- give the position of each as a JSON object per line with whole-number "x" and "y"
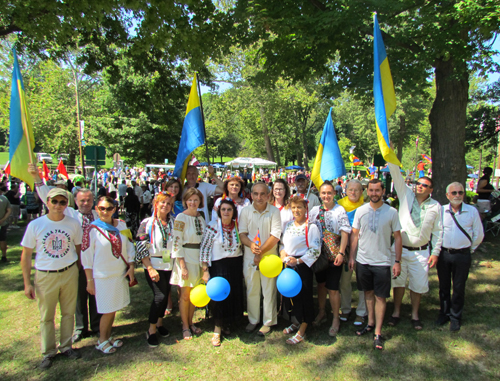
{"x": 462, "y": 234}
{"x": 57, "y": 240}
{"x": 420, "y": 218}
{"x": 85, "y": 215}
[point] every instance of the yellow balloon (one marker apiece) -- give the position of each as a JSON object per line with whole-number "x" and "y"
{"x": 270, "y": 266}
{"x": 199, "y": 296}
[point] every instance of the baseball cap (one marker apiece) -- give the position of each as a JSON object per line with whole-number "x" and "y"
{"x": 301, "y": 176}
{"x": 54, "y": 192}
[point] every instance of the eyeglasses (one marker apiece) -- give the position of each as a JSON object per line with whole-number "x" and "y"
{"x": 227, "y": 210}
{"x": 423, "y": 185}
{"x": 60, "y": 202}
{"x": 454, "y": 193}
{"x": 103, "y": 208}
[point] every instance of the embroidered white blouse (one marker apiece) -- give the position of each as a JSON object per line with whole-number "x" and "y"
{"x": 295, "y": 245}
{"x": 215, "y": 246}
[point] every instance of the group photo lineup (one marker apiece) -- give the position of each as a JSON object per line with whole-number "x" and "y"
{"x": 241, "y": 190}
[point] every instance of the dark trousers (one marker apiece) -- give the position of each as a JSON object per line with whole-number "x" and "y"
{"x": 453, "y": 268}
{"x": 302, "y": 305}
{"x": 146, "y": 209}
{"x": 82, "y": 311}
{"x": 160, "y": 289}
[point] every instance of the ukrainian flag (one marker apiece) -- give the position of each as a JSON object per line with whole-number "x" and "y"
{"x": 328, "y": 164}
{"x": 193, "y": 133}
{"x": 385, "y": 97}
{"x": 21, "y": 139}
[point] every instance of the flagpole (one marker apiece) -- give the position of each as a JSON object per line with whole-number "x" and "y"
{"x": 309, "y": 189}
{"x": 203, "y": 118}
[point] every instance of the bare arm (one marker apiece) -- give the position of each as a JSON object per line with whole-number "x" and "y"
{"x": 269, "y": 244}
{"x": 218, "y": 182}
{"x": 26, "y": 256}
{"x": 7, "y": 215}
{"x": 354, "y": 248}
{"x": 480, "y": 187}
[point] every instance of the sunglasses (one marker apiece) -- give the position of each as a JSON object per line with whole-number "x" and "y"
{"x": 423, "y": 185}
{"x": 103, "y": 208}
{"x": 454, "y": 193}
{"x": 60, "y": 202}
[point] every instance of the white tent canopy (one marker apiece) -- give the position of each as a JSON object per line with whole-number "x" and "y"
{"x": 249, "y": 162}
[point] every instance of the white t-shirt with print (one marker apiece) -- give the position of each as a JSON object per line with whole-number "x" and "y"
{"x": 54, "y": 242}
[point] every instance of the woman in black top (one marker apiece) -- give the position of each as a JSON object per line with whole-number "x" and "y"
{"x": 132, "y": 207}
{"x": 484, "y": 190}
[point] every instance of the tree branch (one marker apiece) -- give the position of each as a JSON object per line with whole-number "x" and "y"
{"x": 318, "y": 5}
{"x": 6, "y": 30}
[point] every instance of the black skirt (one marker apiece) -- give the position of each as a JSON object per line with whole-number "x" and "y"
{"x": 302, "y": 305}
{"x": 231, "y": 309}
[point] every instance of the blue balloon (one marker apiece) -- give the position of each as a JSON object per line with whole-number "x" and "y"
{"x": 218, "y": 288}
{"x": 289, "y": 283}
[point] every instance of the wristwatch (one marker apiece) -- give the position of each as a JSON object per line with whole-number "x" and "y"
{"x": 397, "y": 261}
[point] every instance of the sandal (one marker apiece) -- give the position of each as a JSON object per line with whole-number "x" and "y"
{"x": 186, "y": 334}
{"x": 116, "y": 343}
{"x": 295, "y": 339}
{"x": 393, "y": 321}
{"x": 293, "y": 328}
{"x": 317, "y": 322}
{"x": 216, "y": 340}
{"x": 105, "y": 347}
{"x": 417, "y": 324}
{"x": 168, "y": 311}
{"x": 378, "y": 342}
{"x": 332, "y": 332}
{"x": 366, "y": 329}
{"x": 195, "y": 329}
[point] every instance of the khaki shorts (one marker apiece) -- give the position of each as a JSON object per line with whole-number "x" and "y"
{"x": 415, "y": 267}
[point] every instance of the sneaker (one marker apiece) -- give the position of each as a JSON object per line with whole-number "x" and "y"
{"x": 163, "y": 331}
{"x": 46, "y": 363}
{"x": 442, "y": 319}
{"x": 264, "y": 330}
{"x": 152, "y": 340}
{"x": 344, "y": 317}
{"x": 250, "y": 327}
{"x": 454, "y": 326}
{"x": 71, "y": 354}
{"x": 359, "y": 320}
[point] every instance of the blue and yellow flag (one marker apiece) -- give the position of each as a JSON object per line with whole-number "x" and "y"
{"x": 21, "y": 139}
{"x": 328, "y": 164}
{"x": 385, "y": 97}
{"x": 193, "y": 133}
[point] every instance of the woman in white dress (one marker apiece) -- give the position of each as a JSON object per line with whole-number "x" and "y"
{"x": 280, "y": 198}
{"x": 188, "y": 231}
{"x": 221, "y": 256}
{"x": 108, "y": 256}
{"x": 154, "y": 245}
{"x": 300, "y": 248}
{"x": 233, "y": 190}
{"x": 332, "y": 217}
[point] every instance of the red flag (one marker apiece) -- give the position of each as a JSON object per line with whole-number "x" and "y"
{"x": 45, "y": 171}
{"x": 62, "y": 169}
{"x": 6, "y": 169}
{"x": 194, "y": 161}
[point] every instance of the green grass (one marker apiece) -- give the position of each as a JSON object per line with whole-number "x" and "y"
{"x": 431, "y": 354}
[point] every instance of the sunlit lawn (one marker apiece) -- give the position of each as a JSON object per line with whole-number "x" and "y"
{"x": 434, "y": 353}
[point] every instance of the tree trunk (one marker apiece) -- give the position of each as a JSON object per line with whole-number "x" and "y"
{"x": 265, "y": 131}
{"x": 402, "y": 131}
{"x": 278, "y": 158}
{"x": 448, "y": 118}
{"x": 304, "y": 149}
{"x": 298, "y": 154}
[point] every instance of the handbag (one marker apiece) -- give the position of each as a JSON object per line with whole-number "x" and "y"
{"x": 331, "y": 241}
{"x": 321, "y": 263}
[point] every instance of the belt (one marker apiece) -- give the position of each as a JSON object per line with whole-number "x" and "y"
{"x": 58, "y": 271}
{"x": 416, "y": 248}
{"x": 191, "y": 245}
{"x": 465, "y": 250}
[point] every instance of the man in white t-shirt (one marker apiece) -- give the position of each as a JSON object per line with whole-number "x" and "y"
{"x": 206, "y": 189}
{"x": 373, "y": 226}
{"x": 57, "y": 240}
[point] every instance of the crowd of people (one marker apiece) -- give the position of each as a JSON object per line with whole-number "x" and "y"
{"x": 86, "y": 256}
